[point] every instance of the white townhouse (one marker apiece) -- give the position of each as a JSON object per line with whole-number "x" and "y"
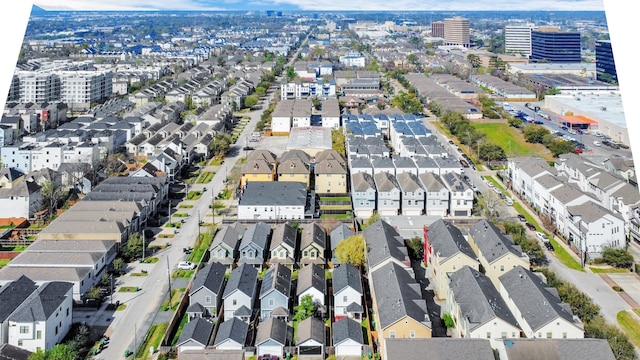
{"x": 592, "y": 227}
{"x": 523, "y": 171}
{"x": 560, "y": 199}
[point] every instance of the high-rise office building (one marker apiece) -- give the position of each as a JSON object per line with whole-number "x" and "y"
{"x": 456, "y": 32}
{"x": 605, "y": 65}
{"x": 437, "y": 29}
{"x": 552, "y": 45}
{"x": 517, "y": 39}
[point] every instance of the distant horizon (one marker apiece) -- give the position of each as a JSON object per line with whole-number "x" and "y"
{"x": 319, "y": 5}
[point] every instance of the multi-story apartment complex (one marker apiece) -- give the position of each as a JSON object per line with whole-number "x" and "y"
{"x": 437, "y": 29}
{"x": 456, "y": 32}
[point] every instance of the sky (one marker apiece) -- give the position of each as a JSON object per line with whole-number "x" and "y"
{"x": 317, "y": 5}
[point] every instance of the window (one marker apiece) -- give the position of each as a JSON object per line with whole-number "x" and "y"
{"x": 504, "y": 335}
{"x": 549, "y": 335}
{"x": 392, "y": 334}
{"x": 344, "y": 298}
{"x": 19, "y": 342}
{"x": 235, "y": 302}
{"x": 24, "y": 329}
{"x": 39, "y": 334}
{"x": 207, "y": 299}
{"x": 501, "y": 267}
{"x": 412, "y": 334}
{"x": 271, "y": 302}
{"x": 564, "y": 335}
{"x": 488, "y": 335}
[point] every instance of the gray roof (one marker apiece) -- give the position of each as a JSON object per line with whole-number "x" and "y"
{"x": 447, "y": 239}
{"x": 277, "y": 278}
{"x": 439, "y": 348}
{"x": 211, "y": 277}
{"x": 284, "y": 233}
{"x": 243, "y": 278}
{"x": 310, "y": 328}
{"x": 491, "y": 242}
{"x": 478, "y": 299}
{"x": 42, "y": 303}
{"x": 257, "y": 234}
{"x": 10, "y": 352}
{"x": 384, "y": 242}
{"x": 397, "y": 296}
{"x": 409, "y": 182}
{"x": 362, "y": 181}
{"x": 313, "y": 234}
{"x": 275, "y": 329}
{"x": 347, "y": 328}
{"x": 346, "y": 275}
{"x": 13, "y": 294}
{"x": 341, "y": 232}
{"x": 558, "y": 349}
{"x": 539, "y": 304}
{"x": 273, "y": 193}
{"x": 432, "y": 182}
{"x": 198, "y": 330}
{"x": 590, "y": 212}
{"x": 227, "y": 235}
{"x": 233, "y": 329}
{"x": 311, "y": 276}
{"x": 567, "y": 193}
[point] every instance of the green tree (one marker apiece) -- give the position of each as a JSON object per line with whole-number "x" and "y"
{"x": 415, "y": 246}
{"x": 58, "y": 352}
{"x": 491, "y": 152}
{"x": 620, "y": 258}
{"x": 118, "y": 265}
{"x": 535, "y": 133}
{"x": 133, "y": 247}
{"x": 351, "y": 251}
{"x": 407, "y": 102}
{"x": 305, "y": 309}
{"x": 373, "y": 218}
{"x": 338, "y": 141}
{"x": 251, "y": 100}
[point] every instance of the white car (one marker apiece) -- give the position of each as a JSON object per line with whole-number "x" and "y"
{"x": 186, "y": 265}
{"x": 541, "y": 236}
{"x": 508, "y": 201}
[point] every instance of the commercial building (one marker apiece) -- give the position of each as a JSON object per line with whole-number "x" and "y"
{"x": 517, "y": 39}
{"x": 437, "y": 29}
{"x": 552, "y": 45}
{"x": 456, "y": 32}
{"x": 605, "y": 64}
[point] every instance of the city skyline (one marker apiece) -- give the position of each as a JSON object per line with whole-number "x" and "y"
{"x": 329, "y": 5}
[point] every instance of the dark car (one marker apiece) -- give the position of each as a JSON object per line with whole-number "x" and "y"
{"x": 548, "y": 245}
{"x": 522, "y": 218}
{"x": 623, "y": 146}
{"x": 530, "y": 226}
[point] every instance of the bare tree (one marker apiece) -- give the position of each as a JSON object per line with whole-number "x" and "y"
{"x": 51, "y": 196}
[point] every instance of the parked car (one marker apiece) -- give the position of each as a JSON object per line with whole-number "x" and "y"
{"x": 541, "y": 236}
{"x": 464, "y": 163}
{"x": 522, "y": 218}
{"x": 186, "y": 265}
{"x": 508, "y": 201}
{"x": 530, "y": 226}
{"x": 596, "y": 143}
{"x": 548, "y": 245}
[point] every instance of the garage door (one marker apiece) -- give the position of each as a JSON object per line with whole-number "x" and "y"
{"x": 460, "y": 213}
{"x": 271, "y": 350}
{"x": 310, "y": 350}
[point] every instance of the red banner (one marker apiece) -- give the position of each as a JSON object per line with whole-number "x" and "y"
{"x": 427, "y": 247}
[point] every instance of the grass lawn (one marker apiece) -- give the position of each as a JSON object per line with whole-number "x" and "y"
{"x": 176, "y": 294}
{"x": 331, "y": 199}
{"x": 637, "y": 311}
{"x": 206, "y": 177}
{"x": 138, "y": 274}
{"x": 216, "y": 162}
{"x": 605, "y": 270}
{"x": 335, "y": 207}
{"x": 129, "y": 289}
{"x": 200, "y": 247}
{"x": 336, "y": 216}
{"x": 121, "y": 307}
{"x": 153, "y": 338}
{"x": 181, "y": 215}
{"x": 166, "y": 236}
{"x": 511, "y": 140}
{"x": 182, "y": 274}
{"x": 150, "y": 260}
{"x": 495, "y": 183}
{"x": 181, "y": 206}
{"x": 194, "y": 195}
{"x": 630, "y": 326}
{"x": 559, "y": 251}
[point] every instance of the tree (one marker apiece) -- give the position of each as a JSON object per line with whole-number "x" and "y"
{"x": 51, "y": 196}
{"x": 373, "y": 218}
{"x": 251, "y": 100}
{"x": 133, "y": 248}
{"x": 338, "y": 141}
{"x": 305, "y": 309}
{"x": 491, "y": 152}
{"x": 58, "y": 352}
{"x": 407, "y": 102}
{"x": 620, "y": 258}
{"x": 414, "y": 245}
{"x": 351, "y": 251}
{"x": 535, "y": 133}
{"x": 118, "y": 265}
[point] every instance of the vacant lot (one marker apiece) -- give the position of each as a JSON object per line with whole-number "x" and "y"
{"x": 512, "y": 141}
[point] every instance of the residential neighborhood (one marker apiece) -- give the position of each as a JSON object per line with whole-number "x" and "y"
{"x": 317, "y": 185}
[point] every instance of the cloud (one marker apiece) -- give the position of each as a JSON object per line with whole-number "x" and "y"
{"x": 328, "y": 5}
